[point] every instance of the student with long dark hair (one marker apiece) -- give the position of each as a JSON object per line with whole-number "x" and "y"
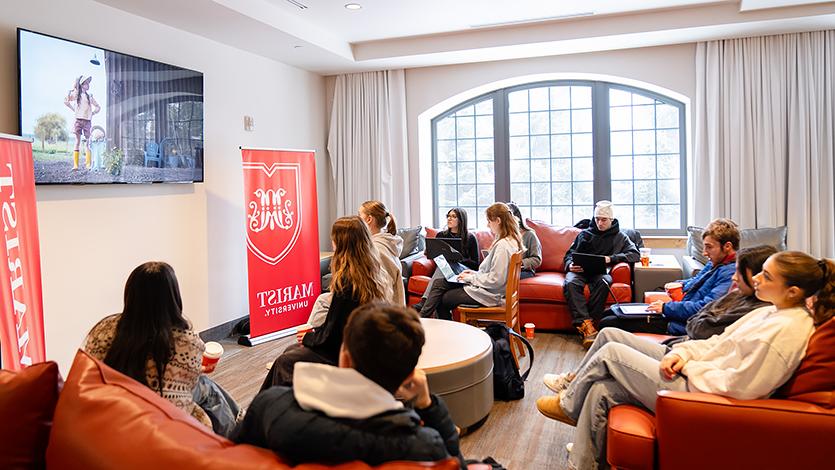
{"x": 151, "y": 341}
{"x": 388, "y": 244}
{"x": 749, "y": 360}
{"x": 532, "y": 257}
{"x": 357, "y": 280}
{"x": 456, "y": 227}
{"x": 487, "y": 285}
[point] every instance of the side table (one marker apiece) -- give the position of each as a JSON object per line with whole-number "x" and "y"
{"x": 661, "y": 270}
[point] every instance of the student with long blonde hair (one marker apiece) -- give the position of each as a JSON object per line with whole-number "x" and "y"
{"x": 749, "y": 360}
{"x": 383, "y": 230}
{"x": 357, "y": 280}
{"x": 487, "y": 285}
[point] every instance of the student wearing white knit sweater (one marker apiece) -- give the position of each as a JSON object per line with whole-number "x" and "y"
{"x": 750, "y": 360}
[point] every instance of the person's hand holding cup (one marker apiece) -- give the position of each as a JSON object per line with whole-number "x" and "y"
{"x": 675, "y": 290}
{"x": 211, "y": 356}
{"x": 303, "y": 330}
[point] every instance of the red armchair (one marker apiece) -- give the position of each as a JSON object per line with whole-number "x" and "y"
{"x": 541, "y": 298}
{"x": 699, "y": 430}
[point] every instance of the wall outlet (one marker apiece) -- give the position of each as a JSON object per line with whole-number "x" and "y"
{"x": 249, "y": 123}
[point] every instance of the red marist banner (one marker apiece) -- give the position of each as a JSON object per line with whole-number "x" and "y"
{"x": 21, "y": 326}
{"x": 282, "y": 240}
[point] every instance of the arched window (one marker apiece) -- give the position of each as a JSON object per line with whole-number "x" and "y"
{"x": 556, "y": 147}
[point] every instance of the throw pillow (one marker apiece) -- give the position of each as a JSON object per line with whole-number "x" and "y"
{"x": 27, "y": 404}
{"x": 555, "y": 241}
{"x": 411, "y": 239}
{"x": 749, "y": 237}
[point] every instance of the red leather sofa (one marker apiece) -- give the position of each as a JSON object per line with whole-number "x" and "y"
{"x": 793, "y": 429}
{"x": 103, "y": 419}
{"x": 541, "y": 297}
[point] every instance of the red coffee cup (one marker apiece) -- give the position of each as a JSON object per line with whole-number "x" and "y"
{"x": 675, "y": 291}
{"x": 529, "y": 329}
{"x": 302, "y": 330}
{"x": 211, "y": 355}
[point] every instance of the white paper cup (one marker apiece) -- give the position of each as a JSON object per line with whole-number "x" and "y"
{"x": 211, "y": 356}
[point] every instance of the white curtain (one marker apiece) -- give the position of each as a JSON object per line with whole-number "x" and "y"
{"x": 367, "y": 142}
{"x": 765, "y": 135}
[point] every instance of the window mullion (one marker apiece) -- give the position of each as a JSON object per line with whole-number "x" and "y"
{"x": 600, "y": 129}
{"x": 501, "y": 146}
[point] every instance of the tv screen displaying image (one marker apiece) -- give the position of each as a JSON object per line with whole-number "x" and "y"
{"x": 98, "y": 116}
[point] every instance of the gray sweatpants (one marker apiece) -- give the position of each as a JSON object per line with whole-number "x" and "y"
{"x": 619, "y": 368}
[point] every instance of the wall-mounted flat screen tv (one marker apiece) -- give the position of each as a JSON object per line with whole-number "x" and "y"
{"x": 98, "y": 116}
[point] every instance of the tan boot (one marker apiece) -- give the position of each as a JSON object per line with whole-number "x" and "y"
{"x": 550, "y": 407}
{"x": 589, "y": 333}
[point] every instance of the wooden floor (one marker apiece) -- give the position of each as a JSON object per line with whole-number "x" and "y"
{"x": 514, "y": 434}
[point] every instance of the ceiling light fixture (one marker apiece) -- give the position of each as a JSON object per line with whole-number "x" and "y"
{"x": 534, "y": 20}
{"x": 353, "y": 6}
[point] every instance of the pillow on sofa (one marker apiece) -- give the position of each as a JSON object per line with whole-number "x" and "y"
{"x": 748, "y": 237}
{"x": 555, "y": 241}
{"x": 814, "y": 380}
{"x": 411, "y": 240}
{"x": 27, "y": 403}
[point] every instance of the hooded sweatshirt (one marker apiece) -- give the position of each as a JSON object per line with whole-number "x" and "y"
{"x": 612, "y": 243}
{"x": 334, "y": 415}
{"x": 389, "y": 247}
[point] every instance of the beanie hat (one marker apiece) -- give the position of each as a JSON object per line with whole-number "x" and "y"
{"x": 604, "y": 209}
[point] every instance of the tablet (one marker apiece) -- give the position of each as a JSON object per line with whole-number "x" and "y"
{"x": 592, "y": 264}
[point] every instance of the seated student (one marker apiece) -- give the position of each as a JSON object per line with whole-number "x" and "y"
{"x": 383, "y": 230}
{"x": 153, "y": 343}
{"x": 487, "y": 285}
{"x": 714, "y": 317}
{"x": 357, "y": 280}
{"x": 749, "y": 360}
{"x": 721, "y": 240}
{"x": 456, "y": 227}
{"x": 334, "y": 415}
{"x": 603, "y": 237}
{"x": 532, "y": 257}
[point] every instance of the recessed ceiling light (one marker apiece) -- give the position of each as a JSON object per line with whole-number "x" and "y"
{"x": 353, "y": 6}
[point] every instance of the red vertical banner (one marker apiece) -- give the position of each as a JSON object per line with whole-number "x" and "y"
{"x": 21, "y": 327}
{"x": 282, "y": 239}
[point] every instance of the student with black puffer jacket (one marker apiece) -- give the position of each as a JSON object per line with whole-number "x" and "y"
{"x": 351, "y": 412}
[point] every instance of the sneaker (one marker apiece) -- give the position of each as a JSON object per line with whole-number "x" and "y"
{"x": 589, "y": 333}
{"x": 558, "y": 382}
{"x": 419, "y": 306}
{"x": 550, "y": 407}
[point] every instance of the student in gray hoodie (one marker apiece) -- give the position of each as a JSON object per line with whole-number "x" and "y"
{"x": 383, "y": 230}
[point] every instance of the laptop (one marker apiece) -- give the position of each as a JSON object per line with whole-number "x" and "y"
{"x": 450, "y": 272}
{"x": 592, "y": 264}
{"x": 633, "y": 311}
{"x": 450, "y": 248}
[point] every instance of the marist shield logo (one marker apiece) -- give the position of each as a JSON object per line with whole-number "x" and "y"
{"x": 274, "y": 210}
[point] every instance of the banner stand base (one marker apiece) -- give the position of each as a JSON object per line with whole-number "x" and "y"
{"x": 249, "y": 340}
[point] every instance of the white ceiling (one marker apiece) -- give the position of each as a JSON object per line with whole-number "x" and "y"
{"x": 386, "y": 19}
{"x": 326, "y": 38}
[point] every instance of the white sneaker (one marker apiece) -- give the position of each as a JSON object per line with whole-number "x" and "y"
{"x": 569, "y": 447}
{"x": 558, "y": 382}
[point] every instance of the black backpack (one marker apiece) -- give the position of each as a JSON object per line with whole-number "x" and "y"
{"x": 507, "y": 383}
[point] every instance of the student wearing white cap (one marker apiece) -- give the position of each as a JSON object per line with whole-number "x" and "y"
{"x": 603, "y": 237}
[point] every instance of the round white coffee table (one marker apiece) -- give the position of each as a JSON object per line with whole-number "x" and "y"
{"x": 458, "y": 361}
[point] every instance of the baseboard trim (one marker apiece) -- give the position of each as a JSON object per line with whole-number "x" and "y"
{"x": 222, "y": 331}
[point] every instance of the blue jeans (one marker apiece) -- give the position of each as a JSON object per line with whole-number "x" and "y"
{"x": 619, "y": 368}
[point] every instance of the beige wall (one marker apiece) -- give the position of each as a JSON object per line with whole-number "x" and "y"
{"x": 93, "y": 236}
{"x": 669, "y": 67}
